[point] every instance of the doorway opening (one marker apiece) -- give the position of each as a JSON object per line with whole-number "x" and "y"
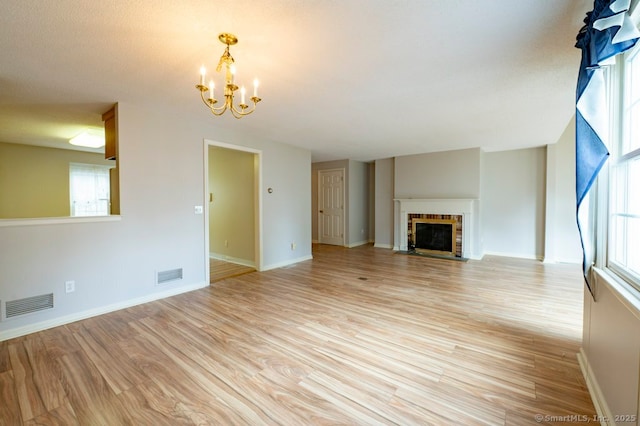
{"x": 233, "y": 206}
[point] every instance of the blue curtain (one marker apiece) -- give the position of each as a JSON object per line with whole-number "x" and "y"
{"x": 608, "y": 31}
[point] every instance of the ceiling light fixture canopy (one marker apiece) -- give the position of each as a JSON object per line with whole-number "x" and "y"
{"x": 230, "y": 87}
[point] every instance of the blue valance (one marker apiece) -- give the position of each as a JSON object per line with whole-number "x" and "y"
{"x": 608, "y": 31}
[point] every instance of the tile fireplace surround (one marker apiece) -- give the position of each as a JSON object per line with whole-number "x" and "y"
{"x": 466, "y": 207}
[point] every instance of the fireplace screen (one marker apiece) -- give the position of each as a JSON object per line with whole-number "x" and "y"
{"x": 434, "y": 236}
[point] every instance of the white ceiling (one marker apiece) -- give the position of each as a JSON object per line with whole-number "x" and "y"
{"x": 358, "y": 79}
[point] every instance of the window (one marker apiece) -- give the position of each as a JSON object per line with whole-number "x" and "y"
{"x": 89, "y": 189}
{"x": 624, "y": 175}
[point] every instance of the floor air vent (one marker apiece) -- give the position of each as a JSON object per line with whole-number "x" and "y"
{"x": 16, "y": 308}
{"x": 168, "y": 276}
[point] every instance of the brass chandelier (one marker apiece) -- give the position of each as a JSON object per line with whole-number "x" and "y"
{"x": 230, "y": 86}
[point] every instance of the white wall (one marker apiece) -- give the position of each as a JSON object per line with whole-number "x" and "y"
{"x": 384, "y": 203}
{"x": 562, "y": 241}
{"x": 372, "y": 201}
{"x": 449, "y": 174}
{"x": 525, "y": 206}
{"x": 610, "y": 355}
{"x": 440, "y": 175}
{"x": 162, "y": 178}
{"x": 358, "y": 201}
{"x": 511, "y": 190}
{"x": 287, "y": 210}
{"x": 513, "y": 202}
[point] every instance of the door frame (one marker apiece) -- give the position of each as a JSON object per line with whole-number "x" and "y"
{"x": 257, "y": 214}
{"x": 344, "y": 197}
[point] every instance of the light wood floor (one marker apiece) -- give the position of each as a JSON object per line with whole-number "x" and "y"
{"x": 355, "y": 336}
{"x": 220, "y": 270}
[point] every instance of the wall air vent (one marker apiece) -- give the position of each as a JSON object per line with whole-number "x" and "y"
{"x": 16, "y": 308}
{"x": 168, "y": 276}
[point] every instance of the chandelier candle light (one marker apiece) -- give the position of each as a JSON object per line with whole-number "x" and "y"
{"x": 229, "y": 87}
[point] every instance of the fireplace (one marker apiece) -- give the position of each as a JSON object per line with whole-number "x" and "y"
{"x": 462, "y": 210}
{"x": 435, "y": 234}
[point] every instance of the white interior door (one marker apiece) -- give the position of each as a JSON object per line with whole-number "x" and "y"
{"x": 331, "y": 207}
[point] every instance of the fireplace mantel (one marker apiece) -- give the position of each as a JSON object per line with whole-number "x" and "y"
{"x": 466, "y": 207}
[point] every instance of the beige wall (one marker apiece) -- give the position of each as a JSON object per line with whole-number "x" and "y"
{"x": 449, "y": 174}
{"x": 562, "y": 241}
{"x": 34, "y": 181}
{"x": 384, "y": 203}
{"x": 610, "y": 354}
{"x": 162, "y": 179}
{"x": 440, "y": 175}
{"x": 513, "y": 202}
{"x": 358, "y": 201}
{"x": 232, "y": 211}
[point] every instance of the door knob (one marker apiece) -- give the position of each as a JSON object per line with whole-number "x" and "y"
{"x": 321, "y": 211}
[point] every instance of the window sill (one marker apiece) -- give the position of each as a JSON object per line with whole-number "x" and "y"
{"x": 57, "y": 220}
{"x": 624, "y": 291}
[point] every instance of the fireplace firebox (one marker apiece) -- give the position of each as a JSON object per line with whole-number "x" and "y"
{"x": 433, "y": 236}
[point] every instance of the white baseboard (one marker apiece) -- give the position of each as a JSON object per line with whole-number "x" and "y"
{"x": 570, "y": 261}
{"x": 286, "y": 263}
{"x": 356, "y": 244}
{"x": 474, "y": 256}
{"x": 67, "y": 319}
{"x": 231, "y": 259}
{"x": 314, "y": 242}
{"x": 599, "y": 402}
{"x": 516, "y": 255}
{"x": 384, "y": 246}
{"x": 555, "y": 261}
